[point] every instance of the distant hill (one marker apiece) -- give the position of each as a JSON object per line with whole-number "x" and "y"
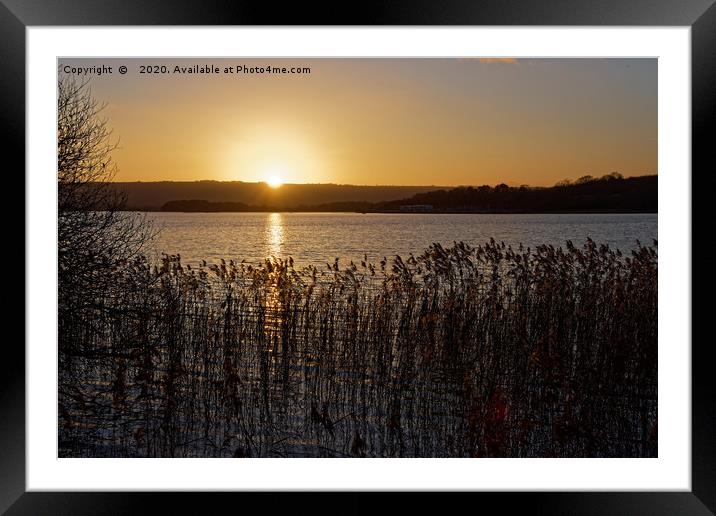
{"x": 611, "y": 193}
{"x": 151, "y": 196}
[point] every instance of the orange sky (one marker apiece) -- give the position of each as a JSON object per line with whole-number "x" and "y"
{"x": 384, "y": 121}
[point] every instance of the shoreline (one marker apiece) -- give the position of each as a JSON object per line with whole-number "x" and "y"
{"x": 433, "y": 212}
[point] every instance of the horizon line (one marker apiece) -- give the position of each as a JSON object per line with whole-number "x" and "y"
{"x": 508, "y": 183}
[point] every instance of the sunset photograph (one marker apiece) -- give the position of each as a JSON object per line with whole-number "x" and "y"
{"x": 357, "y": 257}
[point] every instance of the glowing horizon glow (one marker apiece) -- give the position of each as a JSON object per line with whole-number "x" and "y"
{"x": 274, "y": 181}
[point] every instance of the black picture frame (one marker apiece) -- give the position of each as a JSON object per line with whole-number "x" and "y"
{"x": 700, "y": 15}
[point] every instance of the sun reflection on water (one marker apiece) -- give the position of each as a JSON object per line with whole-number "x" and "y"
{"x": 273, "y": 320}
{"x": 274, "y": 234}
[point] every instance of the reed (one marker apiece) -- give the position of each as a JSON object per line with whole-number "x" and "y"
{"x": 486, "y": 351}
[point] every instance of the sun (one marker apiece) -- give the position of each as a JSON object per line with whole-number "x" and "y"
{"x": 274, "y": 181}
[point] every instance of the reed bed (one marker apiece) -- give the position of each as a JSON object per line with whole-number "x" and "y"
{"x": 484, "y": 351}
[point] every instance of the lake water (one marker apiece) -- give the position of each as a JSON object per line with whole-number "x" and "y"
{"x": 317, "y": 238}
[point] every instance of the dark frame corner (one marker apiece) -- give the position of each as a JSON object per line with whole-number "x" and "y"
{"x": 700, "y": 15}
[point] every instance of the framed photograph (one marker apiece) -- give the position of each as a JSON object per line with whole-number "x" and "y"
{"x": 434, "y": 249}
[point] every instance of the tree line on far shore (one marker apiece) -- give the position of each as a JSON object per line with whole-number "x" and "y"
{"x": 611, "y": 193}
